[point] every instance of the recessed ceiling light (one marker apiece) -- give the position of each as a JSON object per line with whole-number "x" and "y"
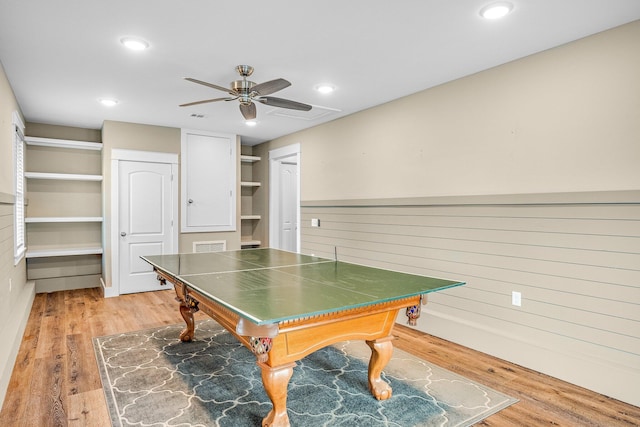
{"x": 251, "y": 123}
{"x": 134, "y": 43}
{"x": 496, "y": 10}
{"x": 325, "y": 88}
{"x": 108, "y": 102}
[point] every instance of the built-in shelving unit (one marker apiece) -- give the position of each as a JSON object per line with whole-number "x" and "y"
{"x": 64, "y": 219}
{"x": 60, "y": 251}
{"x": 63, "y": 212}
{"x": 248, "y": 218}
{"x": 250, "y": 243}
{"x": 249, "y": 159}
{"x": 63, "y": 143}
{"x": 62, "y": 176}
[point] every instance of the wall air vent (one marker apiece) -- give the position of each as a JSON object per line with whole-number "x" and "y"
{"x": 315, "y": 113}
{"x": 210, "y": 246}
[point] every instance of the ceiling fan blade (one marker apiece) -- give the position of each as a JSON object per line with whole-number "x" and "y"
{"x": 205, "y": 101}
{"x": 248, "y": 111}
{"x": 211, "y": 85}
{"x": 270, "y": 87}
{"x": 284, "y": 103}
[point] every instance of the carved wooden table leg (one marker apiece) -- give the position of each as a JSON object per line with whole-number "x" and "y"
{"x": 381, "y": 352}
{"x": 275, "y": 382}
{"x": 187, "y": 314}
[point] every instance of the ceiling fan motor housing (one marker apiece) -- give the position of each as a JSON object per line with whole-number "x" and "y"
{"x": 243, "y": 88}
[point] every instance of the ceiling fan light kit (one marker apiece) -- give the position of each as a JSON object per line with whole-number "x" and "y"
{"x": 246, "y": 92}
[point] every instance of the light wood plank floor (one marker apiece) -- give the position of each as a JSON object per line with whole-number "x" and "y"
{"x": 56, "y": 382}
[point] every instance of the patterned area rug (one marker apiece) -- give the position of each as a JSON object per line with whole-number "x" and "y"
{"x": 150, "y": 378}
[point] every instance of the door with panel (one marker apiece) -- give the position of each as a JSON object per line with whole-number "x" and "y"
{"x": 288, "y": 204}
{"x": 145, "y": 222}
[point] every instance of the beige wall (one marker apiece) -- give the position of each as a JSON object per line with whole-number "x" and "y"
{"x": 7, "y": 107}
{"x": 564, "y": 123}
{"x": 16, "y": 294}
{"x": 63, "y": 132}
{"x": 132, "y": 136}
{"x": 563, "y": 120}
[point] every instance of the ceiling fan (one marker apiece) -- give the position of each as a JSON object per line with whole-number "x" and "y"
{"x": 246, "y": 92}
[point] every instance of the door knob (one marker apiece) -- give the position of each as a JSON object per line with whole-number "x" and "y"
{"x": 123, "y": 233}
{"x": 190, "y": 201}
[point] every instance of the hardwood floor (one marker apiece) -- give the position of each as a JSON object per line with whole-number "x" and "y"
{"x": 56, "y": 382}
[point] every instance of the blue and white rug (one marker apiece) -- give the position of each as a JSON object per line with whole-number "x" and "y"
{"x": 150, "y": 378}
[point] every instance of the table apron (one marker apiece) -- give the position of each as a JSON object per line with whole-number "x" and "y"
{"x": 298, "y": 338}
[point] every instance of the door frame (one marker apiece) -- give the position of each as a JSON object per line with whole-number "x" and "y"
{"x": 275, "y": 156}
{"x": 118, "y": 155}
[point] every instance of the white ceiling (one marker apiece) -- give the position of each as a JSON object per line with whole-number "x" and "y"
{"x": 61, "y": 57}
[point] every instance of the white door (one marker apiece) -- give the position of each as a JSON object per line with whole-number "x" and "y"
{"x": 288, "y": 205}
{"x": 208, "y": 174}
{"x": 145, "y": 220}
{"x": 284, "y": 198}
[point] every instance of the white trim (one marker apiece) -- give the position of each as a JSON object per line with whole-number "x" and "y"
{"x": 108, "y": 291}
{"x": 118, "y": 155}
{"x": 144, "y": 156}
{"x": 274, "y": 158}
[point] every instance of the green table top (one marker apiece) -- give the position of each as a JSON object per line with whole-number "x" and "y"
{"x": 268, "y": 286}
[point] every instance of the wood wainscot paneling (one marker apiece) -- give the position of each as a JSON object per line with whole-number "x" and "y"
{"x": 573, "y": 257}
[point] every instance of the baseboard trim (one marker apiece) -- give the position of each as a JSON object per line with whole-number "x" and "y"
{"x": 615, "y": 381}
{"x": 58, "y": 284}
{"x": 108, "y": 291}
{"x": 17, "y": 326}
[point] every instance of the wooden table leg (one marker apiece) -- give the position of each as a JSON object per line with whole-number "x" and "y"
{"x": 276, "y": 381}
{"x": 189, "y": 332}
{"x": 381, "y": 352}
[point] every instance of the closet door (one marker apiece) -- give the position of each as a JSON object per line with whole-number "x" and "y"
{"x": 145, "y": 221}
{"x": 208, "y": 164}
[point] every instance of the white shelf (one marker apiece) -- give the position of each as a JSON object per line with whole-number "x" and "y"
{"x": 250, "y": 217}
{"x": 48, "y": 247}
{"x": 62, "y": 143}
{"x": 249, "y": 159}
{"x": 62, "y": 176}
{"x": 50, "y": 252}
{"x": 63, "y": 219}
{"x": 245, "y": 243}
{"x": 250, "y": 221}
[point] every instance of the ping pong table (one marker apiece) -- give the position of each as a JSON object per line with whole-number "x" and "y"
{"x": 284, "y": 306}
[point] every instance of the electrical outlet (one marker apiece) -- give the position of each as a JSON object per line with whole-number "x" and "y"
{"x": 315, "y": 222}
{"x": 516, "y": 299}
